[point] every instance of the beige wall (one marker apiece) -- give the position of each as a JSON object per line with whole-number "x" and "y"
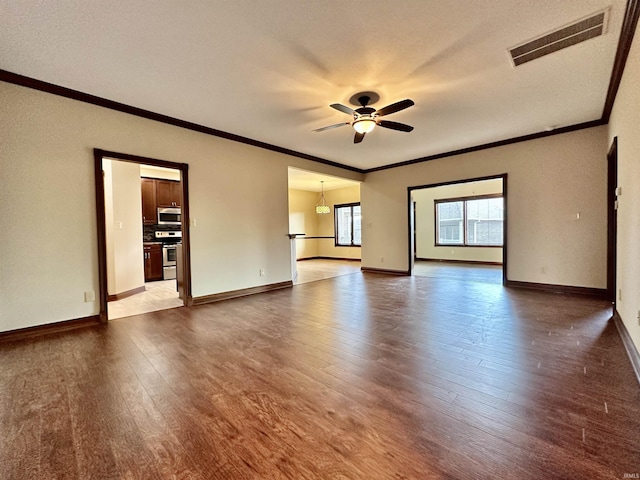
{"x": 238, "y": 196}
{"x": 625, "y": 124}
{"x": 425, "y": 222}
{"x": 304, "y": 219}
{"x": 123, "y": 204}
{"x": 549, "y": 181}
{"x": 237, "y": 193}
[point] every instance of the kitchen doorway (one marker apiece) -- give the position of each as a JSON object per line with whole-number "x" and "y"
{"x": 143, "y": 240}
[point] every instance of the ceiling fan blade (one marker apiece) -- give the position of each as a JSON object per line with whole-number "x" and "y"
{"x": 395, "y": 107}
{"x": 330, "y": 127}
{"x": 343, "y": 108}
{"x": 358, "y": 138}
{"x": 403, "y": 127}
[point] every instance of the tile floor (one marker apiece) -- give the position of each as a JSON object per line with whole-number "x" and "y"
{"x": 158, "y": 296}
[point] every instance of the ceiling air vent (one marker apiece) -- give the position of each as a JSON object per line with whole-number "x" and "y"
{"x": 591, "y": 27}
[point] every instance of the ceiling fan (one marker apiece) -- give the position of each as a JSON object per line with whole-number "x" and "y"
{"x": 366, "y": 118}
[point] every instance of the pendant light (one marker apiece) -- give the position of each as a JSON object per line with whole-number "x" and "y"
{"x": 321, "y": 206}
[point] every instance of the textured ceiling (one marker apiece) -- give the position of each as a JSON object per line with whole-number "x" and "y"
{"x": 269, "y": 70}
{"x": 311, "y": 181}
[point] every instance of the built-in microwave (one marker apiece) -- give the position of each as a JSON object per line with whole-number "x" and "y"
{"x": 169, "y": 216}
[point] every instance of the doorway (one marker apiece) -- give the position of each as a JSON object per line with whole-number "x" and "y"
{"x": 459, "y": 229}
{"x": 129, "y": 255}
{"x": 612, "y": 221}
{"x": 325, "y": 242}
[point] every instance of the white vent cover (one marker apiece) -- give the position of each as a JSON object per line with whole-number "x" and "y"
{"x": 577, "y": 32}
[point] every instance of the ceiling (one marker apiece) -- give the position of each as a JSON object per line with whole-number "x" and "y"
{"x": 268, "y": 71}
{"x": 311, "y": 181}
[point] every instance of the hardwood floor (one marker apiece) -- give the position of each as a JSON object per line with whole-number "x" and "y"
{"x": 323, "y": 268}
{"x": 363, "y": 376}
{"x": 464, "y": 272}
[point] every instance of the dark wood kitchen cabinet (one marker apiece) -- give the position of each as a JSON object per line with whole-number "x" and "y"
{"x": 149, "y": 203}
{"x": 152, "y": 262}
{"x": 168, "y": 193}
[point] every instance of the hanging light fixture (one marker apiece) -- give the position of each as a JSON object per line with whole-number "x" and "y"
{"x": 321, "y": 206}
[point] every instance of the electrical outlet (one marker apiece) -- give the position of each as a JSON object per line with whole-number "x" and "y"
{"x": 262, "y": 272}
{"x": 90, "y": 296}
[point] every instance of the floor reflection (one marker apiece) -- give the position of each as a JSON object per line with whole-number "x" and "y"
{"x": 321, "y": 269}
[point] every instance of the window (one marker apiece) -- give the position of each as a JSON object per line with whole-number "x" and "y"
{"x": 449, "y": 222}
{"x": 348, "y": 225}
{"x": 470, "y": 222}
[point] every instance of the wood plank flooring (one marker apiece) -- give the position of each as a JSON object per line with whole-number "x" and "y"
{"x": 323, "y": 268}
{"x": 363, "y": 376}
{"x": 464, "y": 272}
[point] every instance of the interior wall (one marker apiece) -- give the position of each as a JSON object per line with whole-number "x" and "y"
{"x": 124, "y": 232}
{"x": 237, "y": 193}
{"x": 326, "y": 224}
{"x": 550, "y": 180}
{"x": 303, "y": 219}
{"x": 624, "y": 124}
{"x": 425, "y": 222}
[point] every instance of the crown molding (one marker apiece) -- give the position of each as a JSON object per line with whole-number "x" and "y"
{"x": 500, "y": 143}
{"x": 632, "y": 13}
{"x": 17, "y": 79}
{"x": 629, "y": 24}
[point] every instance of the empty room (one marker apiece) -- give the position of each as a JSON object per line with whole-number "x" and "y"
{"x": 314, "y": 240}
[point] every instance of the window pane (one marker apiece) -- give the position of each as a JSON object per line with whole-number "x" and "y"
{"x": 343, "y": 225}
{"x": 449, "y": 218}
{"x": 485, "y": 221}
{"x": 357, "y": 227}
{"x": 348, "y": 225}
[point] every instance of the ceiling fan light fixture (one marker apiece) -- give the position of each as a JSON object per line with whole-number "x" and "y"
{"x": 365, "y": 119}
{"x": 364, "y": 124}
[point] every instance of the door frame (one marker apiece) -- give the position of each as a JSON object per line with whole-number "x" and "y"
{"x": 411, "y": 219}
{"x": 98, "y": 155}
{"x": 612, "y": 221}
